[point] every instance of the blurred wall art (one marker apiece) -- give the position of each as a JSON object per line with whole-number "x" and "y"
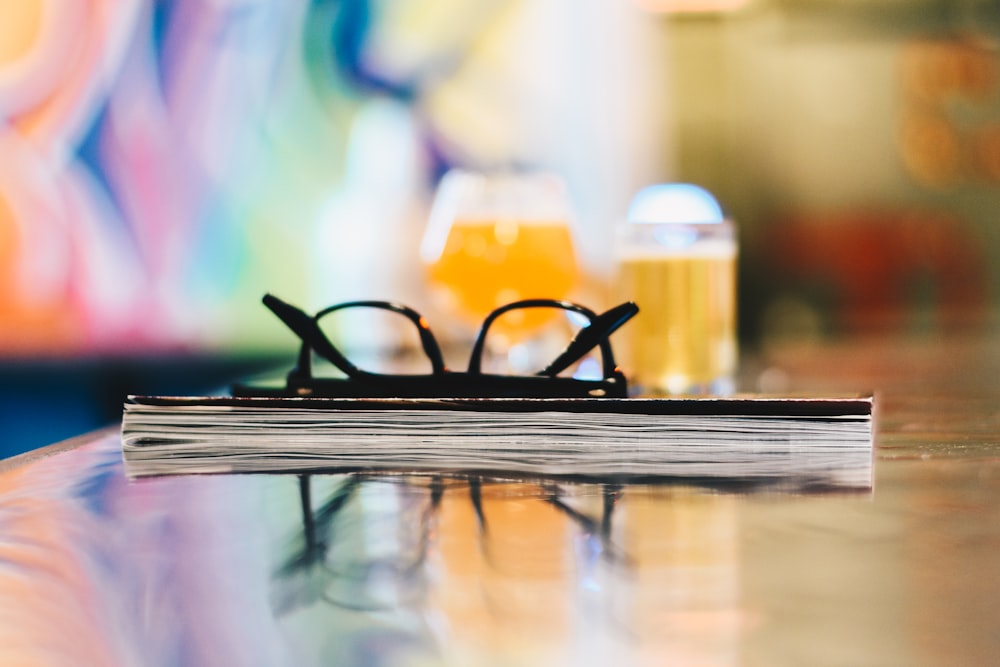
{"x": 163, "y": 163}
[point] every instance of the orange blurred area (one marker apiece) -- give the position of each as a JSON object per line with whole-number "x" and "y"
{"x": 485, "y": 265}
{"x": 938, "y": 69}
{"x": 504, "y": 568}
{"x": 33, "y": 318}
{"x": 20, "y": 25}
{"x": 51, "y": 55}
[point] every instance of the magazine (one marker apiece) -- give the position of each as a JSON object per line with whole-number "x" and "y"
{"x": 738, "y": 436}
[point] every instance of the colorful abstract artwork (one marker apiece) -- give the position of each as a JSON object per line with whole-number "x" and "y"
{"x": 165, "y": 162}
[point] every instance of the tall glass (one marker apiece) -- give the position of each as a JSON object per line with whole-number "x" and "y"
{"x": 677, "y": 261}
{"x": 496, "y": 238}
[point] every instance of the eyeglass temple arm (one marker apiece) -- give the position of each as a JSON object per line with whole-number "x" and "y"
{"x": 595, "y": 333}
{"x": 305, "y": 328}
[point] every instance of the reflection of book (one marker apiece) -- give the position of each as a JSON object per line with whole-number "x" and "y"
{"x": 746, "y": 436}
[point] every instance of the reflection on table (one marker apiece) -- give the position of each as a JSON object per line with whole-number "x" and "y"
{"x": 526, "y": 572}
{"x": 308, "y": 569}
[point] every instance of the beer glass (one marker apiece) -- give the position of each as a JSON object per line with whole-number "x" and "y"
{"x": 676, "y": 258}
{"x": 494, "y": 238}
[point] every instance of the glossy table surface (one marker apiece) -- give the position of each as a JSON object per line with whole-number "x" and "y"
{"x": 352, "y": 569}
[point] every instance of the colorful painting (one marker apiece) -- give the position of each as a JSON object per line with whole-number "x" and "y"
{"x": 166, "y": 162}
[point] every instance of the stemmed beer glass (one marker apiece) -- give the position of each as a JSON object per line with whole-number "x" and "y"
{"x": 494, "y": 238}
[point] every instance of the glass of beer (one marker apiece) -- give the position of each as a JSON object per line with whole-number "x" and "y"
{"x": 494, "y": 238}
{"x": 676, "y": 258}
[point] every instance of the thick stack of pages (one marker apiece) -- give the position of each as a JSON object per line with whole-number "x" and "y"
{"x": 748, "y": 437}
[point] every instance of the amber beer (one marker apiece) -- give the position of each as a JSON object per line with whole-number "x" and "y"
{"x": 488, "y": 263}
{"x": 684, "y": 279}
{"x": 495, "y": 238}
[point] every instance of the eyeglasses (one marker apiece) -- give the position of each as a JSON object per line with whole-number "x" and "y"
{"x": 442, "y": 382}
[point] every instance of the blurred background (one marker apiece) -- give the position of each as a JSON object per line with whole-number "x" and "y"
{"x": 164, "y": 163}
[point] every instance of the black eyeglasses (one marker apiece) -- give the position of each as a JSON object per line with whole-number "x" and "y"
{"x": 442, "y": 382}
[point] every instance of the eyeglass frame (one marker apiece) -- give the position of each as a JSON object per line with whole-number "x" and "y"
{"x": 442, "y": 382}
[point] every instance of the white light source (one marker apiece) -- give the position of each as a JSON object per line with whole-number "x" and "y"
{"x": 675, "y": 202}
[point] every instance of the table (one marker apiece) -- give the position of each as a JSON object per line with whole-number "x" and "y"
{"x": 100, "y": 569}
